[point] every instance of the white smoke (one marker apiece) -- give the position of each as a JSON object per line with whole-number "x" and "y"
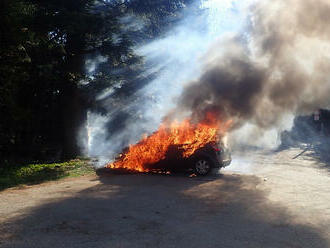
{"x": 178, "y": 58}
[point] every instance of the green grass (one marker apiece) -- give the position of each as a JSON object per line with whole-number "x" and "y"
{"x": 38, "y": 173}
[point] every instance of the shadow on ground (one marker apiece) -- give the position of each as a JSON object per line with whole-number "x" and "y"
{"x": 313, "y": 137}
{"x": 316, "y": 148}
{"x": 162, "y": 211}
{"x": 320, "y": 150}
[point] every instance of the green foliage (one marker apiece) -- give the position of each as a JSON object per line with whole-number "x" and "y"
{"x": 37, "y": 173}
{"x": 44, "y": 46}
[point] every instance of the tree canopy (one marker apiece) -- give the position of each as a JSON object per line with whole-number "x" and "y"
{"x": 46, "y": 87}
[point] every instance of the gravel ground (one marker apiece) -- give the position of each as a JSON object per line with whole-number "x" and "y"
{"x": 265, "y": 199}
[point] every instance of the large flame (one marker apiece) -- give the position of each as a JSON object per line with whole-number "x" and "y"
{"x": 188, "y": 135}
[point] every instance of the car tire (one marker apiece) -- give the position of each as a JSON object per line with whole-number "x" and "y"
{"x": 202, "y": 166}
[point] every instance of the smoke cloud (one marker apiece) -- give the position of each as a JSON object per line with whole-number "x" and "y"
{"x": 256, "y": 62}
{"x": 278, "y": 65}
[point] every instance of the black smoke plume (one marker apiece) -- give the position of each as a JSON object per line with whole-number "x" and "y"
{"x": 280, "y": 65}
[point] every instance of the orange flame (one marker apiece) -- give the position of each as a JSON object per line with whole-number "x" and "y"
{"x": 153, "y": 148}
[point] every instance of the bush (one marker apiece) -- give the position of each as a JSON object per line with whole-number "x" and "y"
{"x": 37, "y": 173}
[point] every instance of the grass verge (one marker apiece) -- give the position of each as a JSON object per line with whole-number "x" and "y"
{"x": 38, "y": 173}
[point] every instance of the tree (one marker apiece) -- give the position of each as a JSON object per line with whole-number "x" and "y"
{"x": 42, "y": 57}
{"x": 46, "y": 88}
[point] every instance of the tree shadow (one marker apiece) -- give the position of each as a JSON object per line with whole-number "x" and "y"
{"x": 309, "y": 136}
{"x": 319, "y": 151}
{"x": 316, "y": 149}
{"x": 162, "y": 211}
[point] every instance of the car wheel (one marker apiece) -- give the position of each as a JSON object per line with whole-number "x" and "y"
{"x": 202, "y": 166}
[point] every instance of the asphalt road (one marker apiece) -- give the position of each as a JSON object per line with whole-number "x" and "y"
{"x": 263, "y": 200}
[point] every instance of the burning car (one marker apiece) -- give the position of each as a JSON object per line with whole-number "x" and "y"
{"x": 177, "y": 146}
{"x": 213, "y": 155}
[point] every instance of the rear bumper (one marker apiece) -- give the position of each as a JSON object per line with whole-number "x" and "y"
{"x": 225, "y": 163}
{"x": 222, "y": 163}
{"x": 223, "y": 158}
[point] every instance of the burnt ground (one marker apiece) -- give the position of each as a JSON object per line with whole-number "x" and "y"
{"x": 265, "y": 199}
